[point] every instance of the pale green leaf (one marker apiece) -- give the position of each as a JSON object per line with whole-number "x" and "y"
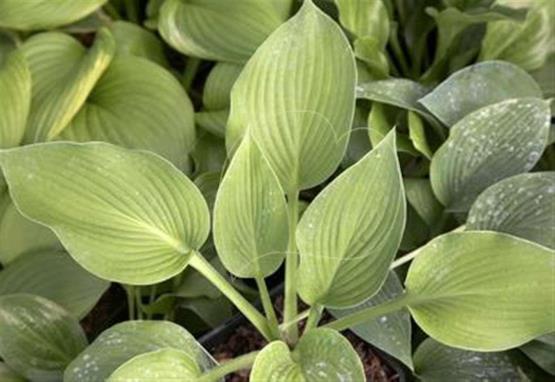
{"x": 213, "y": 121}
{"x": 392, "y": 332}
{"x": 15, "y": 97}
{"x": 349, "y": 234}
{"x": 298, "y": 110}
{"x": 44, "y": 14}
{"x": 19, "y": 234}
{"x": 397, "y": 92}
{"x": 164, "y": 365}
{"x": 417, "y": 134}
{"x": 126, "y": 216}
{"x": 209, "y": 153}
{"x": 489, "y": 144}
{"x": 545, "y": 77}
{"x": 367, "y": 50}
{"x": 477, "y": 86}
{"x": 541, "y": 351}
{"x": 217, "y": 88}
{"x": 365, "y": 18}
{"x": 523, "y": 205}
{"x": 54, "y": 275}
{"x": 38, "y": 338}
{"x": 133, "y": 40}
{"x": 435, "y": 362}
{"x": 482, "y": 291}
{"x": 63, "y": 74}
{"x": 250, "y": 215}
{"x": 220, "y": 30}
{"x": 124, "y": 341}
{"x": 8, "y": 375}
{"x": 421, "y": 197}
{"x": 321, "y": 355}
{"x": 208, "y": 184}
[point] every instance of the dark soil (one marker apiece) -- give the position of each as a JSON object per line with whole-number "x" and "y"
{"x": 110, "y": 309}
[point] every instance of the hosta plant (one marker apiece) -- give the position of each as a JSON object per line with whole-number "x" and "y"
{"x": 391, "y": 160}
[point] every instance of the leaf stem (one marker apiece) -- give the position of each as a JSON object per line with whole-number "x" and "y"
{"x": 268, "y": 306}
{"x": 129, "y": 290}
{"x": 139, "y": 303}
{"x": 314, "y": 315}
{"x": 131, "y": 11}
{"x": 206, "y": 269}
{"x": 291, "y": 263}
{"x": 286, "y": 324}
{"x": 243, "y": 362}
{"x": 364, "y": 315}
{"x": 190, "y": 72}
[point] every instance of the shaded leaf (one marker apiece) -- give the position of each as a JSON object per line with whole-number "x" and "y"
{"x": 465, "y": 299}
{"x": 541, "y": 351}
{"x": 421, "y": 197}
{"x": 397, "y": 92}
{"x": 213, "y": 121}
{"x": 349, "y": 234}
{"x": 8, "y": 375}
{"x": 417, "y": 134}
{"x": 136, "y": 41}
{"x": 217, "y": 88}
{"x": 209, "y": 154}
{"x": 208, "y": 184}
{"x": 77, "y": 190}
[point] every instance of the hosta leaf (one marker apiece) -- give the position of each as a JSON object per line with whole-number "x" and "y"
{"x": 350, "y": 233}
{"x": 209, "y": 153}
{"x": 217, "y": 88}
{"x": 421, "y": 197}
{"x": 417, "y": 134}
{"x": 321, "y": 355}
{"x": 44, "y": 14}
{"x": 208, "y": 184}
{"x": 482, "y": 291}
{"x": 124, "y": 341}
{"x": 136, "y": 41}
{"x": 125, "y": 216}
{"x": 435, "y": 362}
{"x": 250, "y": 215}
{"x": 15, "y": 97}
{"x": 63, "y": 73}
{"x": 213, "y": 121}
{"x": 392, "y": 332}
{"x": 545, "y": 77}
{"x": 56, "y": 276}
{"x": 522, "y": 205}
{"x": 218, "y": 29}
{"x": 38, "y": 338}
{"x": 160, "y": 365}
{"x": 19, "y": 234}
{"x": 365, "y": 18}
{"x": 397, "y": 92}
{"x": 477, "y": 86}
{"x": 492, "y": 143}
{"x": 298, "y": 110}
{"x": 8, "y": 375}
{"x": 541, "y": 351}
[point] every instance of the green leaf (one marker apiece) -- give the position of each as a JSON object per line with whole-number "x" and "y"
{"x": 56, "y": 276}
{"x": 218, "y": 29}
{"x": 217, "y": 88}
{"x": 208, "y": 184}
{"x": 367, "y": 50}
{"x": 435, "y": 362}
{"x": 359, "y": 144}
{"x": 349, "y": 234}
{"x": 541, "y": 351}
{"x": 63, "y": 74}
{"x": 250, "y": 215}
{"x": 160, "y": 365}
{"x": 19, "y": 235}
{"x": 133, "y": 40}
{"x": 365, "y": 18}
{"x": 213, "y": 121}
{"x": 209, "y": 153}
{"x": 522, "y": 205}
{"x": 44, "y": 14}
{"x": 545, "y": 77}
{"x": 421, "y": 197}
{"x": 15, "y": 96}
{"x": 124, "y": 341}
{"x": 482, "y": 291}
{"x": 417, "y": 134}
{"x": 321, "y": 355}
{"x": 489, "y": 144}
{"x": 7, "y": 375}
{"x": 392, "y": 332}
{"x": 477, "y": 86}
{"x": 397, "y": 92}
{"x": 298, "y": 110}
{"x": 38, "y": 338}
{"x": 126, "y": 216}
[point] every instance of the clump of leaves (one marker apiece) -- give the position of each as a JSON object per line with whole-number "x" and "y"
{"x": 395, "y": 159}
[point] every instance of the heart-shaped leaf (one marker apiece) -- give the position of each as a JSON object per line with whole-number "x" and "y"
{"x": 541, "y": 351}
{"x": 392, "y": 332}
{"x": 15, "y": 96}
{"x": 19, "y": 235}
{"x": 298, "y": 110}
{"x": 522, "y": 205}
{"x": 492, "y": 143}
{"x": 477, "y": 86}
{"x": 126, "y": 216}
{"x": 44, "y": 14}
{"x": 217, "y": 88}
{"x": 349, "y": 234}
{"x": 160, "y": 365}
{"x": 435, "y": 362}
{"x": 482, "y": 291}
{"x": 56, "y": 276}
{"x": 220, "y": 30}
{"x": 133, "y": 40}
{"x": 38, "y": 338}
{"x": 124, "y": 341}
{"x": 250, "y": 215}
{"x": 321, "y": 355}
{"x": 63, "y": 73}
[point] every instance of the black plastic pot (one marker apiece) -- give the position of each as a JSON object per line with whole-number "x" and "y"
{"x": 222, "y": 333}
